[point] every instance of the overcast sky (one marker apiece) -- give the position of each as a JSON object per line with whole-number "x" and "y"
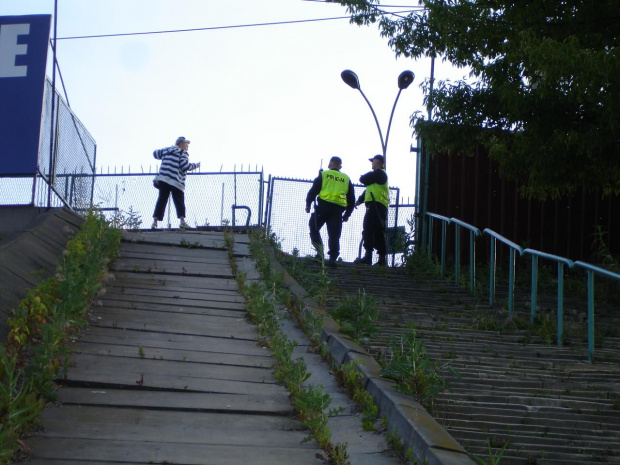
{"x": 263, "y": 96}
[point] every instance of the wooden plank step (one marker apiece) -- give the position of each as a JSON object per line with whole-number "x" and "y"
{"x": 196, "y": 294}
{"x": 211, "y": 309}
{"x": 130, "y": 279}
{"x": 191, "y": 356}
{"x": 173, "y": 300}
{"x": 200, "y": 325}
{"x": 176, "y": 268}
{"x": 232, "y": 406}
{"x": 158, "y": 373}
{"x": 200, "y": 342}
{"x": 160, "y": 452}
{"x": 184, "y": 427}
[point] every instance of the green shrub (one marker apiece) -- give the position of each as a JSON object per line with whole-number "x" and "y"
{"x": 37, "y": 347}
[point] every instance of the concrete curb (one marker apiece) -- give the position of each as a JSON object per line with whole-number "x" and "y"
{"x": 419, "y": 431}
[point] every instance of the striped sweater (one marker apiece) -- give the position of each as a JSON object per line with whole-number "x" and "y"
{"x": 174, "y": 166}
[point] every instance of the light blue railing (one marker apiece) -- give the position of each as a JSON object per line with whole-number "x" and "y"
{"x": 561, "y": 262}
{"x": 511, "y": 267}
{"x": 591, "y": 270}
{"x": 473, "y": 233}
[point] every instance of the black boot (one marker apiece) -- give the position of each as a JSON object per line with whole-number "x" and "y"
{"x": 382, "y": 261}
{"x": 365, "y": 260}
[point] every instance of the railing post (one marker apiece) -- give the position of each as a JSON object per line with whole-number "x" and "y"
{"x": 492, "y": 272}
{"x": 457, "y": 254}
{"x": 472, "y": 261}
{"x": 511, "y": 281}
{"x": 534, "y": 296}
{"x": 560, "y": 303}
{"x": 430, "y": 236}
{"x": 590, "y": 315}
{"x": 443, "y": 248}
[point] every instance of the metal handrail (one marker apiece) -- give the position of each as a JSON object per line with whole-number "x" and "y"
{"x": 444, "y": 222}
{"x": 473, "y": 233}
{"x": 561, "y": 262}
{"x": 591, "y": 269}
{"x": 511, "y": 267}
{"x": 241, "y": 207}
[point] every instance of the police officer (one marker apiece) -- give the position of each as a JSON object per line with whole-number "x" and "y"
{"x": 376, "y": 197}
{"x": 336, "y": 196}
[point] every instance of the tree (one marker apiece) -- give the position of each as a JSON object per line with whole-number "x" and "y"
{"x": 544, "y": 93}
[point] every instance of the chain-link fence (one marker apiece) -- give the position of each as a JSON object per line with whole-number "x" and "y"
{"x": 211, "y": 199}
{"x": 66, "y": 162}
{"x": 217, "y": 199}
{"x": 244, "y": 198}
{"x": 287, "y": 218}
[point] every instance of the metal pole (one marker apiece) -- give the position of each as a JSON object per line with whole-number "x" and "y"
{"x": 50, "y": 179}
{"x": 424, "y": 153}
{"x": 387, "y": 134}
{"x": 222, "y": 207}
{"x": 376, "y": 121}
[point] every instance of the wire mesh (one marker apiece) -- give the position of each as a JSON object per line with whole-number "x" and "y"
{"x": 209, "y": 198}
{"x": 72, "y": 166}
{"x": 288, "y": 219}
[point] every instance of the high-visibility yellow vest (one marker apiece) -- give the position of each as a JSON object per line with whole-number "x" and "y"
{"x": 334, "y": 188}
{"x": 380, "y": 192}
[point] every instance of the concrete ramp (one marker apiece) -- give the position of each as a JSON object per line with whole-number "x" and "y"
{"x": 31, "y": 243}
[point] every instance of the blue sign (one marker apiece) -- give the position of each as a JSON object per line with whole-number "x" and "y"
{"x": 23, "y": 59}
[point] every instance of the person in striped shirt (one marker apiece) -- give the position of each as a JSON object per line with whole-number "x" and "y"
{"x": 171, "y": 179}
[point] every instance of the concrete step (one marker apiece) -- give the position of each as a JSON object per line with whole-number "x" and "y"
{"x": 549, "y": 402}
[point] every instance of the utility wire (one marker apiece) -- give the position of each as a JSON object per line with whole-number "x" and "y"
{"x": 382, "y": 6}
{"x": 276, "y": 23}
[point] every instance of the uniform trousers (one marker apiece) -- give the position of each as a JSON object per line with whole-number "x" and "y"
{"x": 330, "y": 214}
{"x": 373, "y": 233}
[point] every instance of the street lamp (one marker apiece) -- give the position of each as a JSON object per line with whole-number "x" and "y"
{"x": 404, "y": 80}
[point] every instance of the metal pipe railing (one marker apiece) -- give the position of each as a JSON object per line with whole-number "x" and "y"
{"x": 444, "y": 223}
{"x": 591, "y": 270}
{"x": 562, "y": 264}
{"x": 473, "y": 233}
{"x": 511, "y": 267}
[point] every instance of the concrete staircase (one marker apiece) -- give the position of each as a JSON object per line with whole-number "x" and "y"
{"x": 548, "y": 404}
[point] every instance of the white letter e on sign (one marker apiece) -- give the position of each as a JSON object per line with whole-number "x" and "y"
{"x": 9, "y": 49}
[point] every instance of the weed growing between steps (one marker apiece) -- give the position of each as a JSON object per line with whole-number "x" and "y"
{"x": 407, "y": 363}
{"x": 311, "y": 404}
{"x": 393, "y": 440}
{"x": 351, "y": 379}
{"x": 311, "y": 322}
{"x": 43, "y": 326}
{"x": 496, "y": 452}
{"x": 356, "y": 315}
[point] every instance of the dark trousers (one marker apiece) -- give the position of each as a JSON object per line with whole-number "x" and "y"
{"x": 374, "y": 228}
{"x": 178, "y": 197}
{"x": 330, "y": 214}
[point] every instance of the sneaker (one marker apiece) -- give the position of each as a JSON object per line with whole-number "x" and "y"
{"x": 154, "y": 225}
{"x": 183, "y": 225}
{"x": 365, "y": 260}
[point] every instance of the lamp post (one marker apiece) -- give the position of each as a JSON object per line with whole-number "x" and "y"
{"x": 404, "y": 80}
